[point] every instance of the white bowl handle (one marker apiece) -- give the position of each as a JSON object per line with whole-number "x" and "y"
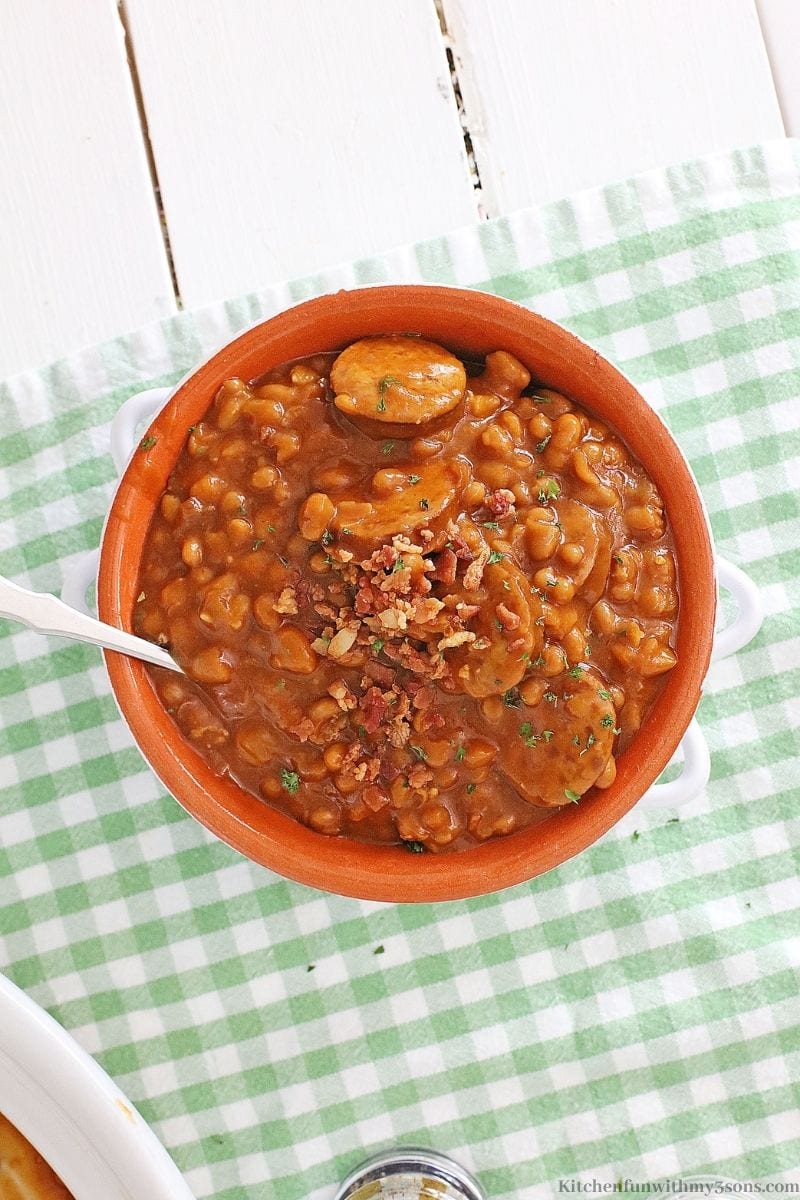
{"x": 750, "y": 615}
{"x": 142, "y": 406}
{"x": 137, "y": 408}
{"x": 696, "y": 768}
{"x": 695, "y": 773}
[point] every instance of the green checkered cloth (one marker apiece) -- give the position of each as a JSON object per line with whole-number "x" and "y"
{"x": 633, "y": 1013}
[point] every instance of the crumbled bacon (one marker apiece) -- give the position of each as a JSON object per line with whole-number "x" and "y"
{"x": 423, "y": 697}
{"x": 375, "y": 708}
{"x": 419, "y": 775}
{"x": 507, "y": 618}
{"x": 467, "y": 611}
{"x": 446, "y": 565}
{"x": 474, "y": 572}
{"x": 500, "y": 502}
{"x": 287, "y": 602}
{"x": 342, "y": 695}
{"x": 456, "y": 639}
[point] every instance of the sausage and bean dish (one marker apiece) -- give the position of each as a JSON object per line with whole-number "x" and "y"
{"x": 417, "y": 600}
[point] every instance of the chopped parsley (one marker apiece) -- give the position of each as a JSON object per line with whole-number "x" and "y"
{"x": 549, "y": 491}
{"x": 527, "y": 734}
{"x": 512, "y": 698}
{"x": 538, "y": 662}
{"x": 576, "y": 741}
{"x": 635, "y": 835}
{"x": 471, "y": 788}
{"x": 575, "y": 672}
{"x": 604, "y": 693}
{"x": 379, "y": 950}
{"x": 280, "y": 685}
{"x": 423, "y": 504}
{"x": 271, "y": 529}
{"x": 398, "y": 566}
{"x": 258, "y": 543}
{"x": 412, "y": 479}
{"x": 415, "y": 847}
{"x": 491, "y": 525}
{"x": 550, "y": 582}
{"x": 329, "y": 561}
{"x": 618, "y": 559}
{"x": 494, "y": 557}
{"x": 540, "y": 399}
{"x": 573, "y": 797}
{"x": 543, "y": 444}
{"x": 387, "y": 447}
{"x": 191, "y": 429}
{"x": 460, "y": 754}
{"x": 587, "y": 651}
{"x": 550, "y": 697}
{"x": 419, "y": 752}
{"x": 327, "y": 538}
{"x": 377, "y": 646}
{"x": 607, "y": 721}
{"x": 590, "y": 741}
{"x": 347, "y": 533}
{"x": 381, "y": 405}
{"x": 383, "y": 386}
{"x": 547, "y": 735}
{"x": 290, "y": 781}
{"x": 147, "y": 443}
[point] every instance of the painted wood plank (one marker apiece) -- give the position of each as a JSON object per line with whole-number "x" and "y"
{"x": 291, "y": 134}
{"x": 562, "y": 96}
{"x": 780, "y": 24}
{"x": 81, "y": 252}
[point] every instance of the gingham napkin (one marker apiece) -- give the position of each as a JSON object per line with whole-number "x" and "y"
{"x": 633, "y": 1014}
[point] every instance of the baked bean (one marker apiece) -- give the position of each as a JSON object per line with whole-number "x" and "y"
{"x": 293, "y": 651}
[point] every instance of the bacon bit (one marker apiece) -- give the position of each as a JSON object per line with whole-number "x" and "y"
{"x": 467, "y": 611}
{"x": 393, "y": 618}
{"x": 327, "y": 611}
{"x": 398, "y": 581}
{"x": 342, "y": 556}
{"x": 342, "y": 695}
{"x": 397, "y": 733}
{"x": 501, "y": 502}
{"x": 374, "y": 798}
{"x": 423, "y": 697}
{"x": 376, "y": 709}
{"x": 456, "y": 639}
{"x": 517, "y": 644}
{"x": 318, "y": 592}
{"x": 474, "y": 572}
{"x": 341, "y": 643}
{"x": 446, "y": 565}
{"x": 507, "y": 618}
{"x": 287, "y": 601}
{"x": 376, "y": 672}
{"x": 381, "y": 559}
{"x": 303, "y": 729}
{"x": 426, "y": 537}
{"x": 419, "y": 775}
{"x": 427, "y": 609}
{"x": 403, "y": 546}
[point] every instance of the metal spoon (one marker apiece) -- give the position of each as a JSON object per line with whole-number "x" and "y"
{"x": 46, "y": 614}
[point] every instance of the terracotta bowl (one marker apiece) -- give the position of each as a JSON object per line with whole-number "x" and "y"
{"x": 471, "y": 323}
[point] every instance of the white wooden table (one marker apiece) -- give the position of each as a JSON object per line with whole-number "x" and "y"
{"x": 166, "y": 153}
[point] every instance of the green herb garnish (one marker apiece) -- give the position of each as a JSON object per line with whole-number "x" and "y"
{"x": 542, "y": 445}
{"x": 604, "y": 693}
{"x": 573, "y": 797}
{"x": 550, "y": 697}
{"x": 377, "y": 646}
{"x": 590, "y": 741}
{"x": 415, "y": 847}
{"x": 419, "y": 752}
{"x": 423, "y": 504}
{"x": 527, "y": 734}
{"x": 575, "y": 672}
{"x": 379, "y": 950}
{"x": 290, "y": 781}
{"x": 607, "y": 721}
{"x": 327, "y": 538}
{"x": 512, "y": 698}
{"x": 147, "y": 443}
{"x": 258, "y": 543}
{"x": 471, "y": 788}
{"x": 460, "y": 754}
{"x": 494, "y": 557}
{"x": 412, "y": 479}
{"x": 547, "y": 735}
{"x": 387, "y": 447}
{"x": 398, "y": 566}
{"x": 491, "y": 525}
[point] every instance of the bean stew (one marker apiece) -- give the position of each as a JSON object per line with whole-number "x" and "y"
{"x": 418, "y": 600}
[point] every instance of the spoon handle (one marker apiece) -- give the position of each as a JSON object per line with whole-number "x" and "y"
{"x": 47, "y": 614}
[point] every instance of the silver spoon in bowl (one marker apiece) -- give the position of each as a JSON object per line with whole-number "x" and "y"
{"x": 47, "y": 614}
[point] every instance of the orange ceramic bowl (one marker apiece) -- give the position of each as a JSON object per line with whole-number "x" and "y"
{"x": 471, "y": 323}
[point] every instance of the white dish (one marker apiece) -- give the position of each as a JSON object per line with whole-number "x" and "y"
{"x": 74, "y": 1115}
